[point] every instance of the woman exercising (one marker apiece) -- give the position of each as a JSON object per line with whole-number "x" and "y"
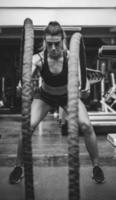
{"x": 52, "y": 64}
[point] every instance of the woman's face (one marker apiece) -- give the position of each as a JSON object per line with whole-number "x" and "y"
{"x": 54, "y": 45}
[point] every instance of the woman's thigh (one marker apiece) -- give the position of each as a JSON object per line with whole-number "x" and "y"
{"x": 83, "y": 114}
{"x": 39, "y": 110}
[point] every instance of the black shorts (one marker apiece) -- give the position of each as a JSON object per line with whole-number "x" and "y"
{"x": 52, "y": 100}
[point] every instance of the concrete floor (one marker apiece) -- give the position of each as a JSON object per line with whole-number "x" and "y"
{"x": 50, "y": 164}
{"x": 51, "y": 183}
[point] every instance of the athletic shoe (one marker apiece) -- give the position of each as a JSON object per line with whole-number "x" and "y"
{"x": 16, "y": 175}
{"x": 98, "y": 174}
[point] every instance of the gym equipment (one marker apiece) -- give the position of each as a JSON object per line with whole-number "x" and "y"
{"x": 94, "y": 76}
{"x": 111, "y": 137}
{"x": 73, "y": 129}
{"x": 109, "y": 98}
{"x": 107, "y": 51}
{"x": 28, "y": 36}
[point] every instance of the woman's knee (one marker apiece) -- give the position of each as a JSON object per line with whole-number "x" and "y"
{"x": 86, "y": 128}
{"x": 34, "y": 124}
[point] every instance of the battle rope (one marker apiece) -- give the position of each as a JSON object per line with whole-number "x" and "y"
{"x": 26, "y": 108}
{"x": 73, "y": 129}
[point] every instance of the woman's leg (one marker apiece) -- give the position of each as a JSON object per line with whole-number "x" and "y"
{"x": 39, "y": 109}
{"x": 63, "y": 121}
{"x": 89, "y": 133}
{"x": 90, "y": 141}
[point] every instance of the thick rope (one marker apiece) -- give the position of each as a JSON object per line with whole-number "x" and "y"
{"x": 26, "y": 108}
{"x": 73, "y": 97}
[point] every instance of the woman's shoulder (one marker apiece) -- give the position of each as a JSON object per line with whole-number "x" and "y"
{"x": 38, "y": 58}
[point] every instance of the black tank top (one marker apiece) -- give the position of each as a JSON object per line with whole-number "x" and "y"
{"x": 55, "y": 80}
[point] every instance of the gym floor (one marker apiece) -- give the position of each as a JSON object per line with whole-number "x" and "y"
{"x": 50, "y": 163}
